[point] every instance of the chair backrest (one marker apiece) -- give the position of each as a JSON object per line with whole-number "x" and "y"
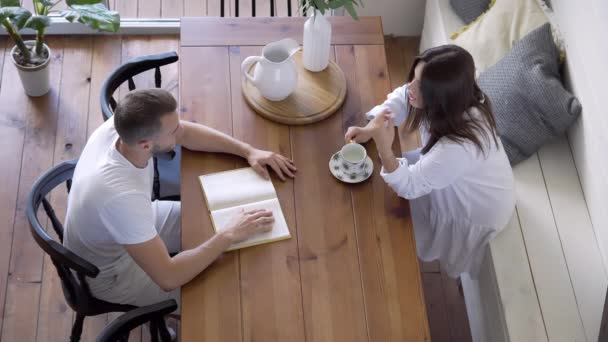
{"x": 121, "y": 326}
{"x": 71, "y": 268}
{"x": 126, "y": 72}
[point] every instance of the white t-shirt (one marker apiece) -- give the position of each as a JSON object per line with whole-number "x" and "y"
{"x": 109, "y": 206}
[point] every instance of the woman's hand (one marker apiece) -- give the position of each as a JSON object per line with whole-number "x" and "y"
{"x": 383, "y": 133}
{"x": 358, "y": 134}
{"x": 363, "y": 134}
{"x": 382, "y": 129}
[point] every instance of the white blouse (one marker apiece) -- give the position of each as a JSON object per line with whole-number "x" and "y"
{"x": 460, "y": 197}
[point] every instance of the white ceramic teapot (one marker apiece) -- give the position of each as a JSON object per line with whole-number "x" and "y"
{"x": 276, "y": 75}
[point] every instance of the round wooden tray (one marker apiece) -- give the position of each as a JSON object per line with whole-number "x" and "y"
{"x": 317, "y": 96}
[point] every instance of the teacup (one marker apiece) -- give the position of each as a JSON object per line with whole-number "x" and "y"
{"x": 353, "y": 154}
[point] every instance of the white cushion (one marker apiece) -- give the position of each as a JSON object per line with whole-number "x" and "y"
{"x": 493, "y": 34}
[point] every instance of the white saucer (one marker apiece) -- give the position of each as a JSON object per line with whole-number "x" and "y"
{"x": 341, "y": 170}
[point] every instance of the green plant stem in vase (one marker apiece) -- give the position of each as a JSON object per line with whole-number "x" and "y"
{"x": 32, "y": 57}
{"x": 324, "y": 5}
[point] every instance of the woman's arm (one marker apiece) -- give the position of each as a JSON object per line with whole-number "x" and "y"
{"x": 445, "y": 163}
{"x": 396, "y": 102}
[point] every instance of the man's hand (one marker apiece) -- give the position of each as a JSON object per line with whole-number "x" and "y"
{"x": 260, "y": 160}
{"x": 246, "y": 224}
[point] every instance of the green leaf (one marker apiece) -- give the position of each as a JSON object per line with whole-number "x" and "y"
{"x": 335, "y": 4}
{"x": 38, "y": 22}
{"x": 95, "y": 16}
{"x": 320, "y": 5}
{"x": 43, "y": 6}
{"x": 17, "y": 15}
{"x": 10, "y": 3}
{"x": 351, "y": 10}
{"x": 82, "y": 2}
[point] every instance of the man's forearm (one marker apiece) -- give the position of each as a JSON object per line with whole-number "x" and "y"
{"x": 202, "y": 138}
{"x": 188, "y": 264}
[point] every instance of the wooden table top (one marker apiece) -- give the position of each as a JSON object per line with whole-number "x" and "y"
{"x": 350, "y": 271}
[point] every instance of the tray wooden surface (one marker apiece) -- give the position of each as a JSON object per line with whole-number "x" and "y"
{"x": 317, "y": 96}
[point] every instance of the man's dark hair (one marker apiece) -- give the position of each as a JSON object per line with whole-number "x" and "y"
{"x": 137, "y": 115}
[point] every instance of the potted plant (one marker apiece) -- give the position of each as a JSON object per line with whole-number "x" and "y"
{"x": 32, "y": 57}
{"x": 317, "y": 30}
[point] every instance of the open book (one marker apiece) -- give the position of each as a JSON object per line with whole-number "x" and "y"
{"x": 230, "y": 191}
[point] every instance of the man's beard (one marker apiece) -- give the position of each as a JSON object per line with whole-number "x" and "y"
{"x": 156, "y": 149}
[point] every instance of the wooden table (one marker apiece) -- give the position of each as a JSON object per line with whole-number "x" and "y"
{"x": 350, "y": 271}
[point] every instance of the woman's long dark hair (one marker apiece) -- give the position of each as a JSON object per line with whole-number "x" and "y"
{"x": 449, "y": 90}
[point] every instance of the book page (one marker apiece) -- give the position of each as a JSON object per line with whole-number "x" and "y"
{"x": 280, "y": 231}
{"x": 237, "y": 187}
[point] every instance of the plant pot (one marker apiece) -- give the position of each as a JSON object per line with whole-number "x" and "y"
{"x": 35, "y": 79}
{"x": 317, "y": 41}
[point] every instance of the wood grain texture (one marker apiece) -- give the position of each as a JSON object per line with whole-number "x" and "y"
{"x": 107, "y": 54}
{"x": 456, "y": 309}
{"x": 340, "y": 296}
{"x": 211, "y": 303}
{"x": 394, "y": 228}
{"x": 436, "y": 308}
{"x": 12, "y": 127}
{"x": 24, "y": 283}
{"x": 270, "y": 273}
{"x": 261, "y": 31}
{"x": 317, "y": 96}
{"x": 55, "y": 317}
{"x": 331, "y": 281}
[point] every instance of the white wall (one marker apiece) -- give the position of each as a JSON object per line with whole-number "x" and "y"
{"x": 583, "y": 26}
{"x": 399, "y": 17}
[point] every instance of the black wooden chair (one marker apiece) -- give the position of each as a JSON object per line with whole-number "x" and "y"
{"x": 119, "y": 329}
{"x": 167, "y": 171}
{"x": 71, "y": 268}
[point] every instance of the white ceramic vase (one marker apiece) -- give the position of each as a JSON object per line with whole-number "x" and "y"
{"x": 35, "y": 79}
{"x": 317, "y": 42}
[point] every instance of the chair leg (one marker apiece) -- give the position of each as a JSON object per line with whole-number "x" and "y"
{"x": 163, "y": 331}
{"x": 77, "y": 328}
{"x": 153, "y": 331}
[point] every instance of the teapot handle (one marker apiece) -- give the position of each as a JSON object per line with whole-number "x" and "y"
{"x": 247, "y": 63}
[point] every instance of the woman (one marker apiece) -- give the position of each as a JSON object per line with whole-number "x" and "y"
{"x": 460, "y": 183}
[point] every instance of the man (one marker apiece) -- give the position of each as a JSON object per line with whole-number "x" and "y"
{"x": 111, "y": 220}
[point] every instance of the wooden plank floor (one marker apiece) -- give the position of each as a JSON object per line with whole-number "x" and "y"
{"x": 40, "y": 132}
